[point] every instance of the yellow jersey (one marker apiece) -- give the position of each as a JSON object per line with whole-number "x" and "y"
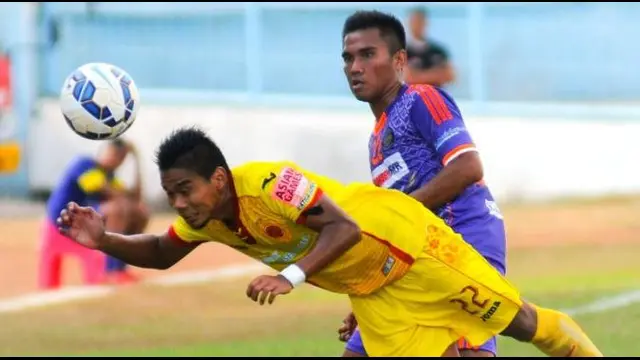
{"x": 271, "y": 198}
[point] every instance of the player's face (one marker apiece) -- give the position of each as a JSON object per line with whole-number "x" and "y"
{"x": 418, "y": 24}
{"x": 114, "y": 157}
{"x": 196, "y": 199}
{"x": 368, "y": 66}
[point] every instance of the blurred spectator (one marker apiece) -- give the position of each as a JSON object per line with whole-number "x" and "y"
{"x": 92, "y": 182}
{"x": 428, "y": 60}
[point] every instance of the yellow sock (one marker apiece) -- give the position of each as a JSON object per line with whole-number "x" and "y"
{"x": 559, "y": 336}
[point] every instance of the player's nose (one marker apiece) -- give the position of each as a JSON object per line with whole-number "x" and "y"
{"x": 179, "y": 203}
{"x": 357, "y": 68}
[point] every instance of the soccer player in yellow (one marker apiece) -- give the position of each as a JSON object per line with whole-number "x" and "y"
{"x": 415, "y": 286}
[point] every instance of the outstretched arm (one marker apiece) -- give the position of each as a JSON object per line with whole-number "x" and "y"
{"x": 146, "y": 250}
{"x": 86, "y": 226}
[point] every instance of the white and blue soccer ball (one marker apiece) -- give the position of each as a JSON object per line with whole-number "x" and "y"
{"x": 99, "y": 101}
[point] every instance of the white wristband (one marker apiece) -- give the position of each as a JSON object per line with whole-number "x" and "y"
{"x": 294, "y": 275}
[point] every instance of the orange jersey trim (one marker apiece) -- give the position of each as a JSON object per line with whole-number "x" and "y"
{"x": 403, "y": 256}
{"x": 177, "y": 240}
{"x": 434, "y": 102}
{"x": 380, "y": 124}
{"x": 458, "y": 150}
{"x": 463, "y": 344}
{"x": 316, "y": 197}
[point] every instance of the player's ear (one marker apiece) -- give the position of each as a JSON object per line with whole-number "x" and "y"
{"x": 400, "y": 60}
{"x": 219, "y": 177}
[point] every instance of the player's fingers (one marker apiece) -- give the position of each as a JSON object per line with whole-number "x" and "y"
{"x": 72, "y": 206}
{"x": 64, "y": 231}
{"x": 344, "y": 337}
{"x": 252, "y": 286}
{"x": 264, "y": 293}
{"x": 250, "y": 290}
{"x": 84, "y": 210}
{"x": 272, "y": 298}
{"x": 256, "y": 292}
{"x": 64, "y": 217}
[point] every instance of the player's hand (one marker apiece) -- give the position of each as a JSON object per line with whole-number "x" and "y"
{"x": 267, "y": 287}
{"x": 349, "y": 325}
{"x": 82, "y": 224}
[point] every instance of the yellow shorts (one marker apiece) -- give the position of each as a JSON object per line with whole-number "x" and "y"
{"x": 450, "y": 292}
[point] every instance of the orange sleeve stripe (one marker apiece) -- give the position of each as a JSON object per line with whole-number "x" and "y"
{"x": 427, "y": 96}
{"x": 403, "y": 256}
{"x": 312, "y": 203}
{"x": 457, "y": 151}
{"x": 435, "y": 104}
{"x": 430, "y": 108}
{"x": 439, "y": 103}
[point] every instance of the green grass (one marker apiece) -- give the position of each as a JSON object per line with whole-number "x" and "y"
{"x": 614, "y": 331}
{"x": 218, "y": 320}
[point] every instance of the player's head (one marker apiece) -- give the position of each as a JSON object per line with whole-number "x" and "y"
{"x": 194, "y": 175}
{"x": 374, "y": 53}
{"x": 418, "y": 21}
{"x": 113, "y": 154}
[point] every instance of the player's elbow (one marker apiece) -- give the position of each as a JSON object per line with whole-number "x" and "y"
{"x": 351, "y": 231}
{"x": 476, "y": 172}
{"x": 470, "y": 167}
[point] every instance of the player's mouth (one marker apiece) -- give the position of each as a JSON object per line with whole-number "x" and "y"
{"x": 357, "y": 85}
{"x": 190, "y": 219}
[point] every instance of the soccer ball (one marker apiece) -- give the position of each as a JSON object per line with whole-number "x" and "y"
{"x": 99, "y": 101}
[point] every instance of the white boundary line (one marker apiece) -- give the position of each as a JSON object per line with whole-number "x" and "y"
{"x": 24, "y": 302}
{"x": 606, "y": 303}
{"x": 69, "y": 294}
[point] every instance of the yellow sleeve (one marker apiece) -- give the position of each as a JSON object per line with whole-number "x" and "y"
{"x": 288, "y": 191}
{"x": 184, "y": 234}
{"x": 92, "y": 181}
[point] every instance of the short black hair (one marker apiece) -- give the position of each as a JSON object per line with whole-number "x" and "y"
{"x": 391, "y": 29}
{"x": 190, "y": 148}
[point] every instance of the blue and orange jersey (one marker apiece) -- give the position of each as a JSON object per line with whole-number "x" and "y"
{"x": 272, "y": 198}
{"x": 82, "y": 182}
{"x": 420, "y": 132}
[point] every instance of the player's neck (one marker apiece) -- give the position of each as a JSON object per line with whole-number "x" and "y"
{"x": 419, "y": 36}
{"x": 228, "y": 211}
{"x": 379, "y": 107}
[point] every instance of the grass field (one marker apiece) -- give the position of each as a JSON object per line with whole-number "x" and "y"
{"x": 561, "y": 255}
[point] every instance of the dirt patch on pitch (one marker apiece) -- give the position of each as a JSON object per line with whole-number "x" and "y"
{"x": 581, "y": 223}
{"x": 19, "y": 242}
{"x": 527, "y": 226}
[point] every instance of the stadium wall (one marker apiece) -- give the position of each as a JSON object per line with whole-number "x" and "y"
{"x": 525, "y": 158}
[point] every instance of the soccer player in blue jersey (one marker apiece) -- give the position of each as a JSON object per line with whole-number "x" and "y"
{"x": 92, "y": 182}
{"x": 419, "y": 145}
